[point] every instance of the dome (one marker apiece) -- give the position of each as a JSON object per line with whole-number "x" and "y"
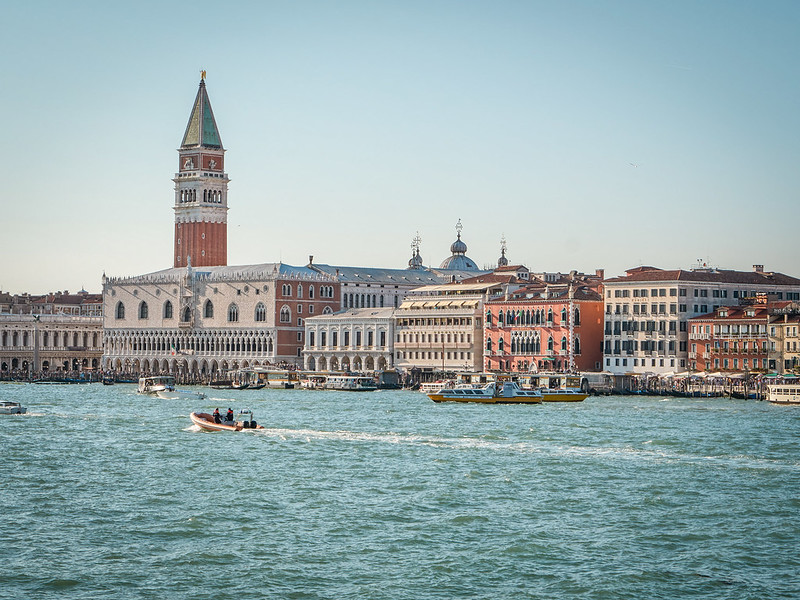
{"x": 416, "y": 261}
{"x": 458, "y": 247}
{"x": 459, "y": 261}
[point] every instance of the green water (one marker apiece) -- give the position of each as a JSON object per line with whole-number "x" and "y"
{"x": 107, "y": 494}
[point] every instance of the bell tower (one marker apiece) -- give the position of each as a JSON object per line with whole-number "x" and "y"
{"x": 201, "y": 190}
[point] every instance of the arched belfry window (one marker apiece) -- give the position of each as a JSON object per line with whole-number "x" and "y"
{"x": 233, "y": 313}
{"x": 261, "y": 312}
{"x": 120, "y": 311}
{"x": 143, "y": 310}
{"x": 167, "y": 309}
{"x": 208, "y": 310}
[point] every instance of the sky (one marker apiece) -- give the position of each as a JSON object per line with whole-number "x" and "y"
{"x": 588, "y": 134}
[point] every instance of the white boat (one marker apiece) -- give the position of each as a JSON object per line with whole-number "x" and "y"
{"x": 12, "y": 408}
{"x": 163, "y": 386}
{"x": 350, "y": 383}
{"x": 313, "y": 382}
{"x": 284, "y": 379}
{"x": 784, "y": 393}
{"x": 492, "y": 393}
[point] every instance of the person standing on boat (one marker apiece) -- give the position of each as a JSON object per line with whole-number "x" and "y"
{"x": 217, "y": 418}
{"x": 229, "y": 415}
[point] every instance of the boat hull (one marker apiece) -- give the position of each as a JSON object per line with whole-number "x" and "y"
{"x": 486, "y": 399}
{"x": 563, "y": 396}
{"x": 13, "y": 409}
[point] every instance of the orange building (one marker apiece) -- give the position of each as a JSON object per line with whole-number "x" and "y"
{"x": 545, "y": 327}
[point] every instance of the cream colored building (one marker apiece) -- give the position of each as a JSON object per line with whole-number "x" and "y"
{"x": 50, "y": 342}
{"x": 210, "y": 319}
{"x": 359, "y": 340}
{"x": 440, "y": 327}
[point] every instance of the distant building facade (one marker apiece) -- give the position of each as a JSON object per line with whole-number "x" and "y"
{"x": 647, "y": 311}
{"x": 212, "y": 319}
{"x": 545, "y": 327}
{"x": 358, "y": 339}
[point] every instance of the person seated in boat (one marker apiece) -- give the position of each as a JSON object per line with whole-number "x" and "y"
{"x": 217, "y": 418}
{"x": 229, "y": 415}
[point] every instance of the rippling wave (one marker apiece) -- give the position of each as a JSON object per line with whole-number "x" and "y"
{"x": 107, "y": 494}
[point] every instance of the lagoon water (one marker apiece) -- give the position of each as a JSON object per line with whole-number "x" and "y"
{"x": 387, "y": 495}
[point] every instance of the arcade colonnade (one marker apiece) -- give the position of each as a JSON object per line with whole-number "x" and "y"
{"x": 197, "y": 352}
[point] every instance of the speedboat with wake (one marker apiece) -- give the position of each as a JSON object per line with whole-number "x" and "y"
{"x": 244, "y": 421}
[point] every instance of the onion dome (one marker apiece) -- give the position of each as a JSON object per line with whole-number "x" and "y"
{"x": 459, "y": 260}
{"x": 416, "y": 260}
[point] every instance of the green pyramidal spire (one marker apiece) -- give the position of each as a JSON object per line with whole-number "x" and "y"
{"x": 202, "y": 128}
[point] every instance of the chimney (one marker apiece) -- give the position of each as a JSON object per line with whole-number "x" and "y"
{"x": 601, "y": 273}
{"x": 758, "y": 268}
{"x": 310, "y": 259}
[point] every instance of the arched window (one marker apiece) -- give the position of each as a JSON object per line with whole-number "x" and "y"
{"x": 500, "y": 345}
{"x": 143, "y": 310}
{"x": 286, "y": 315}
{"x": 186, "y": 316}
{"x": 311, "y": 292}
{"x": 120, "y": 311}
{"x": 563, "y": 315}
{"x": 577, "y": 345}
{"x": 208, "y": 310}
{"x": 286, "y": 289}
{"x": 489, "y": 320}
{"x": 233, "y": 313}
{"x": 489, "y": 344}
{"x": 549, "y": 316}
{"x": 327, "y": 310}
{"x": 500, "y": 318}
{"x": 577, "y": 318}
{"x": 299, "y": 290}
{"x": 550, "y": 344}
{"x": 261, "y": 312}
{"x": 167, "y": 309}
{"x": 563, "y": 344}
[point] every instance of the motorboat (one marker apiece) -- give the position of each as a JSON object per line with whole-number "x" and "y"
{"x": 507, "y": 392}
{"x": 350, "y": 383}
{"x": 244, "y": 421}
{"x": 12, "y": 408}
{"x": 784, "y": 393}
{"x": 163, "y": 386}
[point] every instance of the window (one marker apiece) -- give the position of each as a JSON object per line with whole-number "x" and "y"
{"x": 261, "y": 312}
{"x": 286, "y": 289}
{"x": 208, "y": 310}
{"x": 143, "y": 310}
{"x": 286, "y": 315}
{"x": 120, "y": 311}
{"x": 233, "y": 313}
{"x": 167, "y": 309}
{"x": 311, "y": 293}
{"x": 299, "y": 290}
{"x": 186, "y": 316}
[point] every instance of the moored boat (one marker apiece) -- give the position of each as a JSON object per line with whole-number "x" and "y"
{"x": 507, "y": 392}
{"x": 784, "y": 393}
{"x": 562, "y": 395}
{"x": 244, "y": 421}
{"x": 350, "y": 383}
{"x": 12, "y": 408}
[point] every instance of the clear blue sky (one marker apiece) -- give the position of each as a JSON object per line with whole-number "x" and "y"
{"x": 591, "y": 134}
